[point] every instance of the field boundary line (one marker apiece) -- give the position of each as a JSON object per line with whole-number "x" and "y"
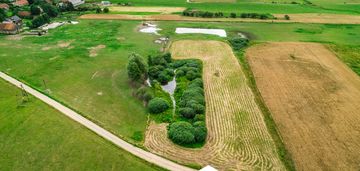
{"x": 149, "y": 157}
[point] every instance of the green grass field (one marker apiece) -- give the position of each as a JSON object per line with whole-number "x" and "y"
{"x": 261, "y": 6}
{"x": 34, "y": 136}
{"x": 96, "y": 86}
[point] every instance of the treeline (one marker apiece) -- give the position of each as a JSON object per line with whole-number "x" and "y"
{"x": 206, "y": 14}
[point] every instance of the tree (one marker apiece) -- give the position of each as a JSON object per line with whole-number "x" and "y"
{"x": 2, "y": 15}
{"x": 181, "y": 133}
{"x": 158, "y": 105}
{"x": 50, "y": 10}
{"x": 187, "y": 112}
{"x": 106, "y": 10}
{"x": 233, "y": 15}
{"x": 40, "y": 20}
{"x": 98, "y": 10}
{"x": 35, "y": 10}
{"x": 287, "y": 17}
{"x": 200, "y": 131}
{"x": 136, "y": 68}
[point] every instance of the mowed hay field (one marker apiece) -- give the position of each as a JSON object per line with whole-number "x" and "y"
{"x": 165, "y": 10}
{"x": 238, "y": 138}
{"x": 314, "y": 99}
{"x": 212, "y": 1}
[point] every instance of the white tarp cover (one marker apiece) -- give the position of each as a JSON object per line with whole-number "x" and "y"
{"x": 219, "y": 32}
{"x": 208, "y": 168}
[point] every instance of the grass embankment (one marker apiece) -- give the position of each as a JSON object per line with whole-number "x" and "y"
{"x": 34, "y": 136}
{"x": 350, "y": 55}
{"x": 83, "y": 66}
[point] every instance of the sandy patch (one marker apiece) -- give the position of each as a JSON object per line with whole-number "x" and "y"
{"x": 314, "y": 99}
{"x": 94, "y": 50}
{"x": 46, "y": 48}
{"x": 63, "y": 44}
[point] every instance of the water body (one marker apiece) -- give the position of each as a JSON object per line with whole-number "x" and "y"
{"x": 170, "y": 88}
{"x": 218, "y": 32}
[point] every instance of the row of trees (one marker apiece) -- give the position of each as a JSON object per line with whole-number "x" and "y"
{"x": 206, "y": 14}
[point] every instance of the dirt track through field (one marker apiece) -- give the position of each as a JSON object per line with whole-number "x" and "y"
{"x": 295, "y": 18}
{"x": 164, "y": 10}
{"x": 238, "y": 138}
{"x": 315, "y": 101}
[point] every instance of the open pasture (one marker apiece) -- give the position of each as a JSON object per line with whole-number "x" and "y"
{"x": 34, "y": 136}
{"x": 314, "y": 100}
{"x": 238, "y": 138}
{"x": 163, "y": 10}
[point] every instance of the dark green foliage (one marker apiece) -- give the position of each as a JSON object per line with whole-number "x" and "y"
{"x": 67, "y": 6}
{"x": 35, "y": 10}
{"x": 181, "y": 133}
{"x": 98, "y": 10}
{"x": 40, "y": 20}
{"x": 238, "y": 43}
{"x": 145, "y": 94}
{"x": 88, "y": 7}
{"x": 199, "y": 117}
{"x": 136, "y": 68}
{"x": 50, "y": 10}
{"x": 160, "y": 68}
{"x": 157, "y": 105}
{"x": 2, "y": 15}
{"x": 187, "y": 112}
{"x": 232, "y": 15}
{"x": 106, "y": 10}
{"x": 287, "y": 17}
{"x": 200, "y": 132}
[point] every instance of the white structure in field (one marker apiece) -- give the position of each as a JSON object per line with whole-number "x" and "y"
{"x": 219, "y": 32}
{"x": 77, "y": 2}
{"x": 208, "y": 168}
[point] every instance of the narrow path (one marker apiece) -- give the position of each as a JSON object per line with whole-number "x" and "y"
{"x": 152, "y": 158}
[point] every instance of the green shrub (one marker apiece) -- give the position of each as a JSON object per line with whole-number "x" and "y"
{"x": 181, "y": 133}
{"x": 136, "y": 68}
{"x": 106, "y": 10}
{"x": 232, "y": 15}
{"x": 157, "y": 105}
{"x": 199, "y": 117}
{"x": 238, "y": 43}
{"x": 200, "y": 131}
{"x": 35, "y": 10}
{"x": 187, "y": 112}
{"x": 198, "y": 108}
{"x": 287, "y": 17}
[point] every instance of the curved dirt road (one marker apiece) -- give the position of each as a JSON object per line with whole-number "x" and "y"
{"x": 152, "y": 158}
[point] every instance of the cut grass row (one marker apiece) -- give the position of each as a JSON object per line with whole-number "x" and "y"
{"x": 34, "y": 136}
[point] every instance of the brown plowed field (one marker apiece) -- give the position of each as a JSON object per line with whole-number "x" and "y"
{"x": 295, "y": 18}
{"x": 315, "y": 102}
{"x": 238, "y": 138}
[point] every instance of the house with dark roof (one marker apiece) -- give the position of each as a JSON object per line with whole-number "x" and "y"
{"x": 9, "y": 28}
{"x": 16, "y": 20}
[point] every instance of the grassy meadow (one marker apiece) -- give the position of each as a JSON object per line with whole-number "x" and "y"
{"x": 261, "y": 6}
{"x": 34, "y": 136}
{"x": 60, "y": 64}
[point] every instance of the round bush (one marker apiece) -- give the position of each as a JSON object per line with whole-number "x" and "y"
{"x": 163, "y": 78}
{"x": 181, "y": 133}
{"x": 190, "y": 75}
{"x": 187, "y": 112}
{"x": 199, "y": 117}
{"x": 158, "y": 105}
{"x": 198, "y": 108}
{"x": 200, "y": 131}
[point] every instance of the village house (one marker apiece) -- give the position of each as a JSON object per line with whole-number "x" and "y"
{"x": 21, "y": 3}
{"x": 16, "y": 20}
{"x": 9, "y": 28}
{"x": 4, "y": 6}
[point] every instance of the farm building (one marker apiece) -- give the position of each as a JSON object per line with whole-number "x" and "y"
{"x": 76, "y": 2}
{"x": 21, "y": 3}
{"x": 9, "y": 28}
{"x": 16, "y": 20}
{"x": 4, "y": 6}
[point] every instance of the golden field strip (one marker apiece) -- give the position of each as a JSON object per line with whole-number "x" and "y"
{"x": 164, "y": 10}
{"x": 315, "y": 101}
{"x": 295, "y": 18}
{"x": 238, "y": 138}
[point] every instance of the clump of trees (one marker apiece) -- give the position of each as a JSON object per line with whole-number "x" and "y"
{"x": 206, "y": 14}
{"x": 160, "y": 68}
{"x": 43, "y": 12}
{"x": 2, "y": 15}
{"x": 238, "y": 43}
{"x": 185, "y": 133}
